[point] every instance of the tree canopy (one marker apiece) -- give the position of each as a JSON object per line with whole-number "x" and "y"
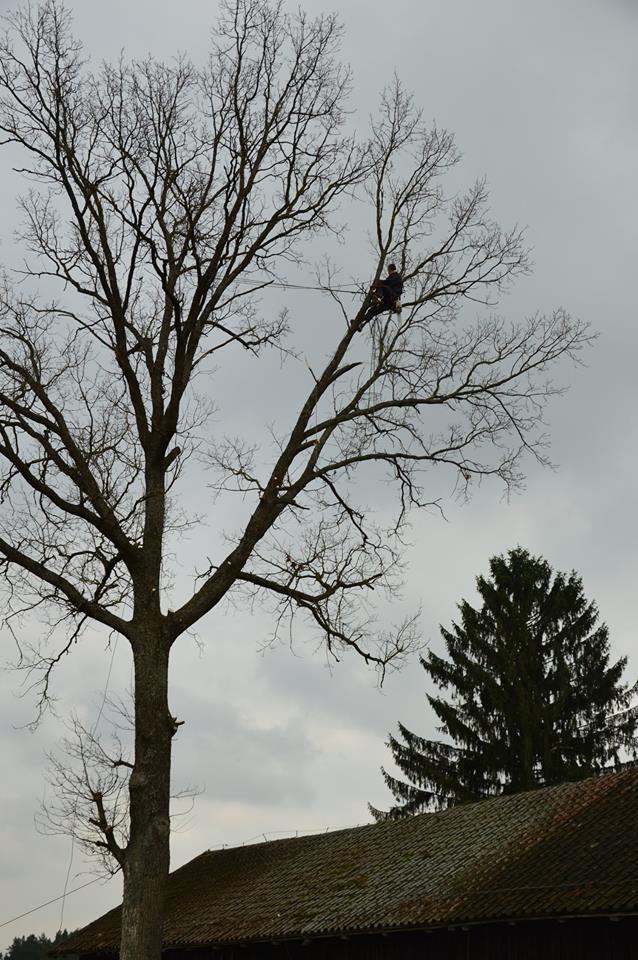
{"x": 534, "y": 697}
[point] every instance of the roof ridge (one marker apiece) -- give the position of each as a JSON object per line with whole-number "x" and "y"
{"x": 577, "y": 786}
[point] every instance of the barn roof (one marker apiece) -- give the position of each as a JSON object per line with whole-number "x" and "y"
{"x": 570, "y": 850}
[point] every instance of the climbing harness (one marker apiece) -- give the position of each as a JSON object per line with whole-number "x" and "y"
{"x": 378, "y": 300}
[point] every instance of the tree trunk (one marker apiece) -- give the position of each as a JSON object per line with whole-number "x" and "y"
{"x": 147, "y": 855}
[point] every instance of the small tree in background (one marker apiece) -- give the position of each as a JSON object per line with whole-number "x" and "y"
{"x": 33, "y": 947}
{"x": 534, "y": 697}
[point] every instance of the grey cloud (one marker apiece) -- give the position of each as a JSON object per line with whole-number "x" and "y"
{"x": 541, "y": 98}
{"x": 236, "y": 759}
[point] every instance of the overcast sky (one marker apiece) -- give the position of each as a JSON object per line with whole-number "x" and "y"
{"x": 541, "y": 97}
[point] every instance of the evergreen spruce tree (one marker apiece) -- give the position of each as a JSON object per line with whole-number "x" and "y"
{"x": 534, "y": 699}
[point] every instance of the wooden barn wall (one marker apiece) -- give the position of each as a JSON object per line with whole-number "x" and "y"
{"x": 602, "y": 939}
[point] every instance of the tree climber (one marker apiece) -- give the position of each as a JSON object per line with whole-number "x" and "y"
{"x": 386, "y": 294}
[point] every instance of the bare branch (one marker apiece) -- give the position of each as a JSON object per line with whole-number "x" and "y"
{"x": 164, "y": 198}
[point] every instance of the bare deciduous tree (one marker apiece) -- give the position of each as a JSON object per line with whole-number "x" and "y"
{"x": 89, "y": 777}
{"x": 163, "y": 198}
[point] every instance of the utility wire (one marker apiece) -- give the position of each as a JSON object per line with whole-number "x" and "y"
{"x": 92, "y": 734}
{"x": 269, "y": 833}
{"x": 68, "y": 893}
{"x": 283, "y": 285}
{"x": 299, "y": 286}
{"x": 55, "y": 900}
